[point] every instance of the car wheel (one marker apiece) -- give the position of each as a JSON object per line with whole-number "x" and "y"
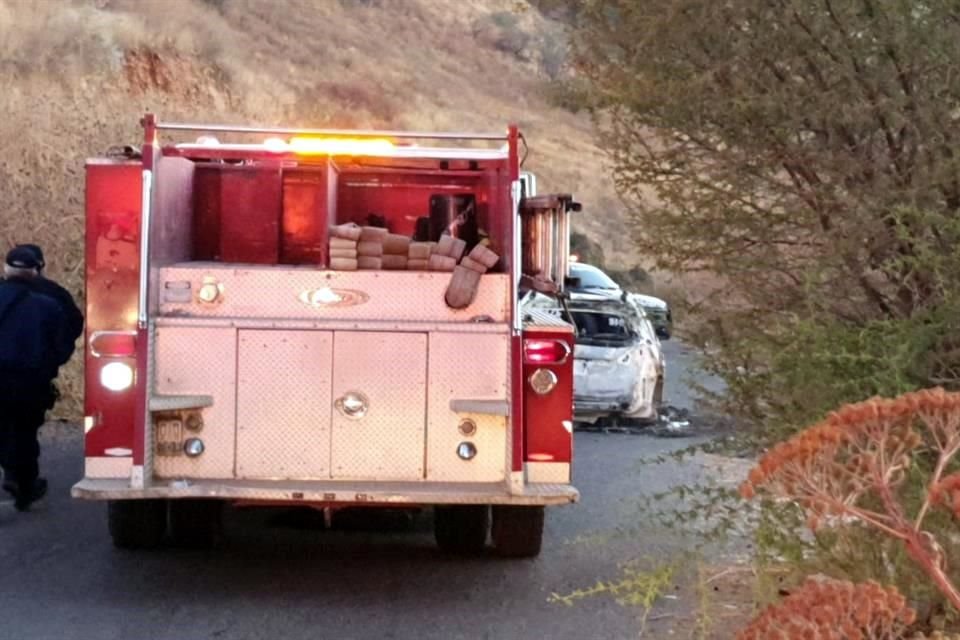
{"x": 137, "y": 524}
{"x": 196, "y": 524}
{"x": 517, "y": 532}
{"x": 461, "y": 529}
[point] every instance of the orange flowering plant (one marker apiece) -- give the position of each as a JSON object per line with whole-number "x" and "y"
{"x": 827, "y": 609}
{"x": 853, "y": 463}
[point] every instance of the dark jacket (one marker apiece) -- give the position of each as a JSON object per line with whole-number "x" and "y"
{"x": 34, "y": 337}
{"x": 72, "y": 314}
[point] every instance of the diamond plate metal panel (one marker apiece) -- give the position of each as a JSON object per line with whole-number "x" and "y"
{"x": 388, "y": 372}
{"x": 199, "y": 361}
{"x": 146, "y": 472}
{"x": 332, "y": 491}
{"x": 284, "y": 404}
{"x": 325, "y": 324}
{"x": 474, "y": 367}
{"x": 284, "y": 292}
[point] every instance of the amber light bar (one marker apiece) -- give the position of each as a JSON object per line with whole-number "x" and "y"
{"x": 342, "y": 133}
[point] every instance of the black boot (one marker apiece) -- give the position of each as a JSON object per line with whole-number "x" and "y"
{"x": 9, "y": 484}
{"x": 24, "y": 499}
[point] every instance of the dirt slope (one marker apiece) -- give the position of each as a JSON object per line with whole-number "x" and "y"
{"x": 76, "y": 75}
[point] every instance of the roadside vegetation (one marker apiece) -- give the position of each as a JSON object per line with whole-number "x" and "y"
{"x": 801, "y": 157}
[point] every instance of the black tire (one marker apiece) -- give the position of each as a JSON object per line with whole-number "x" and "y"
{"x": 137, "y": 524}
{"x": 517, "y": 532}
{"x": 196, "y": 524}
{"x": 461, "y": 529}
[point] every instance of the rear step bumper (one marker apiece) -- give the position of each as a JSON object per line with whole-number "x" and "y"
{"x": 329, "y": 492}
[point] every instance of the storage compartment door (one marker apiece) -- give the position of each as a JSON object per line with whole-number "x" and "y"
{"x": 283, "y": 404}
{"x": 379, "y": 415}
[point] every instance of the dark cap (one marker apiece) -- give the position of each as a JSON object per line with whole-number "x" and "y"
{"x": 25, "y": 256}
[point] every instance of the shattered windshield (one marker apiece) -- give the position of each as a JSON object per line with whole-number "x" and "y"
{"x": 596, "y": 327}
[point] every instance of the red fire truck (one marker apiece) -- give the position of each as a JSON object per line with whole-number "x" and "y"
{"x": 327, "y": 319}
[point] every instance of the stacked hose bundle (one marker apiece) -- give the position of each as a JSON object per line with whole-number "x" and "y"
{"x": 343, "y": 247}
{"x": 418, "y": 255}
{"x": 396, "y": 250}
{"x": 447, "y": 253}
{"x": 370, "y": 248}
{"x": 373, "y": 248}
{"x": 466, "y": 276}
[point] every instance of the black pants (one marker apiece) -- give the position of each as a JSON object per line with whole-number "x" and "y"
{"x": 23, "y": 409}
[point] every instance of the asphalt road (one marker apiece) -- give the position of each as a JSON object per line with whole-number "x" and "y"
{"x": 277, "y": 578}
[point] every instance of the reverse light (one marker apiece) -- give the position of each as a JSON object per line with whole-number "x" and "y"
{"x": 193, "y": 447}
{"x": 545, "y": 351}
{"x": 543, "y": 381}
{"x": 116, "y": 376}
{"x": 466, "y": 450}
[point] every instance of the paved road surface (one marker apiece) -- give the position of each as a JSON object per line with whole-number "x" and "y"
{"x": 61, "y": 578}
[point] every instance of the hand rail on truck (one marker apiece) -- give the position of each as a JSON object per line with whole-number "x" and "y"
{"x": 359, "y": 133}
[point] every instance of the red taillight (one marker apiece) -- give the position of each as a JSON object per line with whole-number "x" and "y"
{"x": 113, "y": 344}
{"x": 545, "y": 351}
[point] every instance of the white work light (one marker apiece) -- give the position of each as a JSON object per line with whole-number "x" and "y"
{"x": 117, "y": 376}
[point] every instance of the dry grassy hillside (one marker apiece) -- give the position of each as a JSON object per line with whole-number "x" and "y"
{"x": 76, "y": 76}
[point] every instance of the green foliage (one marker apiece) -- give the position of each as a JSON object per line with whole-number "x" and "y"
{"x": 802, "y": 154}
{"x": 553, "y": 54}
{"x": 569, "y": 94}
{"x": 636, "y": 587}
{"x": 848, "y": 551}
{"x": 502, "y": 31}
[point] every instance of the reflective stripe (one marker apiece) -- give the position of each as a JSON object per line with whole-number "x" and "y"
{"x": 548, "y": 472}
{"x": 108, "y": 467}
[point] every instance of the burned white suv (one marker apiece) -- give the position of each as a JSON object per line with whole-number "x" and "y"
{"x": 618, "y": 363}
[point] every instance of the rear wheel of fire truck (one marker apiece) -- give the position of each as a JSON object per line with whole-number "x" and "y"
{"x": 517, "y": 532}
{"x": 195, "y": 524}
{"x": 461, "y": 529}
{"x": 137, "y": 524}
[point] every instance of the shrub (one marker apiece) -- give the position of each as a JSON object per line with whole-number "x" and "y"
{"x": 828, "y": 609}
{"x": 854, "y": 465}
{"x": 502, "y": 31}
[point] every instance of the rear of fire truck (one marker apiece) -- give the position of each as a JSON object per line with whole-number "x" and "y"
{"x": 325, "y": 319}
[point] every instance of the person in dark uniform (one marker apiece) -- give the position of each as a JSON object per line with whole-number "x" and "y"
{"x": 37, "y": 337}
{"x": 48, "y": 287}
